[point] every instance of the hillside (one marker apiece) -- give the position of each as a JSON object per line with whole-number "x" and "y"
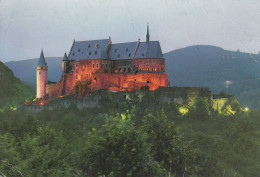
{"x": 26, "y": 69}
{"x": 209, "y": 66}
{"x": 12, "y": 90}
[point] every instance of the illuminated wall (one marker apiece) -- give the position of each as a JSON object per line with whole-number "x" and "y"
{"x": 41, "y": 75}
{"x": 119, "y": 75}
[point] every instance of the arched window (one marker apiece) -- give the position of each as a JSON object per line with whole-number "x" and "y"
{"x": 97, "y": 65}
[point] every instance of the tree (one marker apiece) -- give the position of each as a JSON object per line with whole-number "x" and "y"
{"x": 118, "y": 149}
{"x": 174, "y": 154}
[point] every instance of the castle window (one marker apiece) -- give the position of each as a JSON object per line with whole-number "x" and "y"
{"x": 118, "y": 55}
{"x": 89, "y": 53}
{"x": 97, "y": 45}
{"x": 79, "y": 50}
{"x": 89, "y": 46}
{"x": 97, "y": 65}
{"x": 95, "y": 52}
{"x": 93, "y": 65}
{"x": 95, "y": 78}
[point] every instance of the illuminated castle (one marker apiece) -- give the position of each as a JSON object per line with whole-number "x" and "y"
{"x": 99, "y": 64}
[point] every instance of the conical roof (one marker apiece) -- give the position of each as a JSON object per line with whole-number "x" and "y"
{"x": 65, "y": 57}
{"x": 41, "y": 61}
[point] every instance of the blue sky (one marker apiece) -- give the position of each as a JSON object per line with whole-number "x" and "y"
{"x": 26, "y": 26}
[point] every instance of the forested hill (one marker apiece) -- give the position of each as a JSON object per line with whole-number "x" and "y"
{"x": 210, "y": 66}
{"x": 12, "y": 90}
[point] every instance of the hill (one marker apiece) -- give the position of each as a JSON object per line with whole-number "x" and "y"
{"x": 214, "y": 67}
{"x": 25, "y": 69}
{"x": 12, "y": 90}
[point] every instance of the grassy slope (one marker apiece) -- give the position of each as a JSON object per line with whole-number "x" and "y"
{"x": 12, "y": 90}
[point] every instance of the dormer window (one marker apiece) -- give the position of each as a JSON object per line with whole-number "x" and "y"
{"x": 97, "y": 45}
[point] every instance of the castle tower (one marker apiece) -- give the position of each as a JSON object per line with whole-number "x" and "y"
{"x": 41, "y": 77}
{"x": 65, "y": 64}
{"x": 147, "y": 34}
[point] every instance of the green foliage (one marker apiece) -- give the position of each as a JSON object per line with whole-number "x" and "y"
{"x": 12, "y": 90}
{"x": 131, "y": 140}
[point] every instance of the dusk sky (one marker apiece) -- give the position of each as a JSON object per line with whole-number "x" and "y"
{"x": 27, "y": 26}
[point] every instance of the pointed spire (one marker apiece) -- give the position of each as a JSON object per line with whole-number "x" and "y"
{"x": 41, "y": 61}
{"x": 147, "y": 33}
{"x": 65, "y": 57}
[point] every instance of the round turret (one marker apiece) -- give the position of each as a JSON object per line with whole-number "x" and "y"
{"x": 41, "y": 77}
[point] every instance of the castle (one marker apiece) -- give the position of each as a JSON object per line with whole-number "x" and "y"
{"x": 99, "y": 64}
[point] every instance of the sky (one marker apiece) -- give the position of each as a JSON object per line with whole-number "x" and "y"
{"x": 27, "y": 26}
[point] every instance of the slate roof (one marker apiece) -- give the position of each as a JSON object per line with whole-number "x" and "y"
{"x": 41, "y": 61}
{"x": 65, "y": 57}
{"x": 101, "y": 49}
{"x": 94, "y": 49}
